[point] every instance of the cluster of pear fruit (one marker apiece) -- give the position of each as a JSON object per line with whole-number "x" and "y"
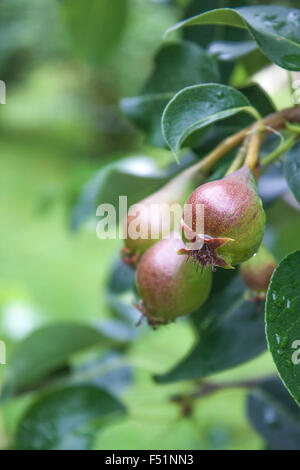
{"x": 168, "y": 278}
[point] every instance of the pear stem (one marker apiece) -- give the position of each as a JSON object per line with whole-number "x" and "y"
{"x": 275, "y": 120}
{"x": 255, "y": 140}
{"x": 237, "y": 162}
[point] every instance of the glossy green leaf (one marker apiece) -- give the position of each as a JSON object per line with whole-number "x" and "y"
{"x": 257, "y": 97}
{"x": 274, "y": 415}
{"x": 196, "y": 107}
{"x": 276, "y": 29}
{"x": 176, "y": 66}
{"x": 292, "y": 169}
{"x": 94, "y": 27}
{"x": 230, "y": 331}
{"x": 66, "y": 419}
{"x": 47, "y": 349}
{"x": 229, "y": 50}
{"x": 283, "y": 321}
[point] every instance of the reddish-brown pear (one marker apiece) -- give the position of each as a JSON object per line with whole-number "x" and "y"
{"x": 234, "y": 220}
{"x": 169, "y": 285}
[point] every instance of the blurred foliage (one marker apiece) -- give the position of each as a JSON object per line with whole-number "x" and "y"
{"x": 94, "y": 32}
{"x": 29, "y": 32}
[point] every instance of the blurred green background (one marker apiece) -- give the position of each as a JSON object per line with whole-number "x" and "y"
{"x": 59, "y": 125}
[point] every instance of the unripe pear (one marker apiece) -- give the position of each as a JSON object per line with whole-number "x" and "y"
{"x": 169, "y": 285}
{"x": 155, "y": 216}
{"x": 234, "y": 220}
{"x": 257, "y": 271}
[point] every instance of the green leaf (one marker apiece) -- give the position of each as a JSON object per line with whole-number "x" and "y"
{"x": 221, "y": 130}
{"x": 274, "y": 415}
{"x": 292, "y": 169}
{"x": 283, "y": 322}
{"x": 66, "y": 419}
{"x": 230, "y": 331}
{"x": 180, "y": 64}
{"x": 46, "y": 349}
{"x": 205, "y": 35}
{"x": 230, "y": 50}
{"x": 110, "y": 371}
{"x": 276, "y": 29}
{"x": 196, "y": 107}
{"x": 176, "y": 66}
{"x": 94, "y": 28}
